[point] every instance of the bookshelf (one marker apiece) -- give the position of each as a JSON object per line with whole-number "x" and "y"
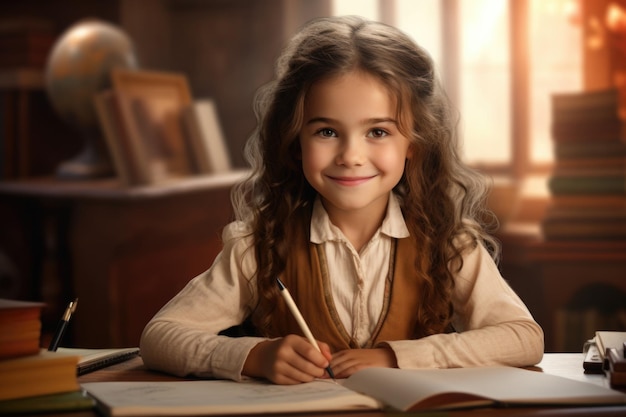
{"x": 27, "y": 148}
{"x": 124, "y": 252}
{"x": 227, "y": 49}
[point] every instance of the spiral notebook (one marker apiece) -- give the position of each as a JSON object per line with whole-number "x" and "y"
{"x": 93, "y": 359}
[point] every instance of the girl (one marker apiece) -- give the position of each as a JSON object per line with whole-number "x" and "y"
{"x": 360, "y": 204}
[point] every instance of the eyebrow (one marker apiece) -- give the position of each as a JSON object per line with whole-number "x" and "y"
{"x": 370, "y": 121}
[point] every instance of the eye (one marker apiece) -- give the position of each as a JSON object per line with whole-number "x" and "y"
{"x": 326, "y": 132}
{"x": 377, "y": 133}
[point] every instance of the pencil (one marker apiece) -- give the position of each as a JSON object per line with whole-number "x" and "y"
{"x": 298, "y": 316}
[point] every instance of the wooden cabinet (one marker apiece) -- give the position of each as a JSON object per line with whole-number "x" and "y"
{"x": 583, "y": 289}
{"x": 124, "y": 252}
{"x": 572, "y": 287}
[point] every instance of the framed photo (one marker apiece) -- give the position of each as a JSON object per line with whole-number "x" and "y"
{"x": 203, "y": 128}
{"x": 115, "y": 136}
{"x": 150, "y": 107}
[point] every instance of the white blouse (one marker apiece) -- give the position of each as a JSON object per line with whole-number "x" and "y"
{"x": 493, "y": 325}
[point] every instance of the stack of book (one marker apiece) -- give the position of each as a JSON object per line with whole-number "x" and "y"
{"x": 611, "y": 349}
{"x": 588, "y": 183}
{"x": 29, "y": 374}
{"x": 20, "y": 328}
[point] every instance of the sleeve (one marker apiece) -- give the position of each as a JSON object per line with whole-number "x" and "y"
{"x": 493, "y": 325}
{"x": 182, "y": 338}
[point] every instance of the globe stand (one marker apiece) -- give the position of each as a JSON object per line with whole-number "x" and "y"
{"x": 92, "y": 162}
{"x": 78, "y": 68}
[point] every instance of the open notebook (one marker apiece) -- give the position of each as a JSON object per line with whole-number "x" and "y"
{"x": 372, "y": 388}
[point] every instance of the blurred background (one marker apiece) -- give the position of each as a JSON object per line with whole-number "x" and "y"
{"x": 538, "y": 84}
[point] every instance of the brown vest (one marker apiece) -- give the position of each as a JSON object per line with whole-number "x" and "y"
{"x": 308, "y": 281}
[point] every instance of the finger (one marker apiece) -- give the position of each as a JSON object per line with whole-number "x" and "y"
{"x": 310, "y": 352}
{"x": 351, "y": 361}
{"x": 303, "y": 369}
{"x": 287, "y": 375}
{"x": 343, "y": 365}
{"x": 299, "y": 360}
{"x": 340, "y": 357}
{"x": 326, "y": 351}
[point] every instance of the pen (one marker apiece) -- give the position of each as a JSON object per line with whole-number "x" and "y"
{"x": 58, "y": 334}
{"x": 298, "y": 316}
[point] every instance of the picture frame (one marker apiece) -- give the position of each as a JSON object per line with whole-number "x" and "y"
{"x": 202, "y": 125}
{"x": 116, "y": 139}
{"x": 150, "y": 106}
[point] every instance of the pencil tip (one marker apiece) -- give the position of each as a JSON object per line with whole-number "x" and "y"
{"x": 281, "y": 286}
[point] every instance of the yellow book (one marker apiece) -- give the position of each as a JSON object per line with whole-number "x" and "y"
{"x": 39, "y": 374}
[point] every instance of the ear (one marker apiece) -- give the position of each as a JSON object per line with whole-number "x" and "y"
{"x": 410, "y": 151}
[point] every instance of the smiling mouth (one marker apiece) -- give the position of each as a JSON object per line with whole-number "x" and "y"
{"x": 351, "y": 181}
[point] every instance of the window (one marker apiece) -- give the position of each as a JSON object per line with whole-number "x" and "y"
{"x": 500, "y": 61}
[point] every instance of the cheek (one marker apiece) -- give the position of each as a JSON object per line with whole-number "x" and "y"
{"x": 316, "y": 156}
{"x": 311, "y": 161}
{"x": 392, "y": 158}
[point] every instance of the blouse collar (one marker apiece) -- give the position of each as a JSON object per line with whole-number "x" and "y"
{"x": 322, "y": 230}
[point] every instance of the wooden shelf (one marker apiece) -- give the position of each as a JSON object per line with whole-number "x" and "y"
{"x": 112, "y": 188}
{"x": 21, "y": 79}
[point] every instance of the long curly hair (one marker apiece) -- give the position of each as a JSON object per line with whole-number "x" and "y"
{"x": 441, "y": 199}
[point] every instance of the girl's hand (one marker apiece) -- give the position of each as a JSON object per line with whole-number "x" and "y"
{"x": 289, "y": 360}
{"x": 347, "y": 362}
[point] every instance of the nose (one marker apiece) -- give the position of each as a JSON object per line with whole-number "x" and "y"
{"x": 352, "y": 152}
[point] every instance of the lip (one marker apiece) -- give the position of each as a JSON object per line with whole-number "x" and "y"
{"x": 351, "y": 181}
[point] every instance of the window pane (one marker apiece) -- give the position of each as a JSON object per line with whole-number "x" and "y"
{"x": 422, "y": 21}
{"x": 484, "y": 94}
{"x": 364, "y": 8}
{"x": 556, "y": 66}
{"x": 485, "y": 81}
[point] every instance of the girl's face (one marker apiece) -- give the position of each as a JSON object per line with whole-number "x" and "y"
{"x": 353, "y": 153}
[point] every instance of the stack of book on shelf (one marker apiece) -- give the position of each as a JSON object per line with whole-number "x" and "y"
{"x": 30, "y": 376}
{"x": 588, "y": 183}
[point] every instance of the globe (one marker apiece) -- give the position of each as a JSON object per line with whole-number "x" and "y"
{"x": 79, "y": 67}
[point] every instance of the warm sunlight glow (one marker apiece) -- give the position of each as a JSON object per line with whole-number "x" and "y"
{"x": 485, "y": 78}
{"x": 422, "y": 21}
{"x": 482, "y": 81}
{"x": 364, "y": 8}
{"x": 556, "y": 62}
